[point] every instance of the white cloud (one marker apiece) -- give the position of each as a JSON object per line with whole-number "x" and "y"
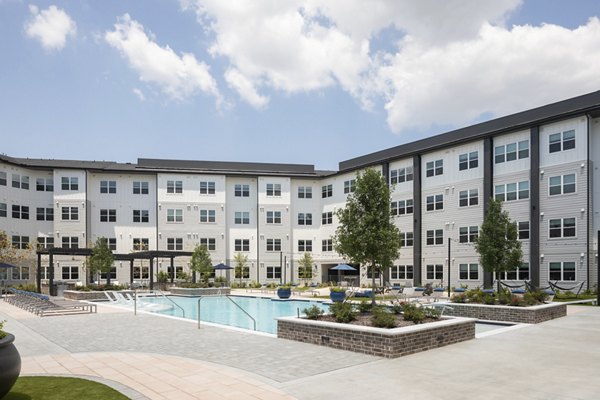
{"x": 245, "y": 88}
{"x": 51, "y": 27}
{"x": 139, "y": 94}
{"x": 180, "y": 77}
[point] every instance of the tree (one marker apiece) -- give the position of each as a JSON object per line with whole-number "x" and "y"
{"x": 305, "y": 267}
{"x": 14, "y": 255}
{"x": 366, "y": 234}
{"x": 102, "y": 258}
{"x": 241, "y": 260}
{"x": 497, "y": 244}
{"x": 201, "y": 263}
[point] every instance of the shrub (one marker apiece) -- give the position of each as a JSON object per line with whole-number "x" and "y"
{"x": 364, "y": 306}
{"x": 433, "y": 313}
{"x": 313, "y": 312}
{"x": 459, "y": 298}
{"x": 162, "y": 277}
{"x": 255, "y": 285}
{"x": 2, "y": 333}
{"x": 343, "y": 312}
{"x": 396, "y": 308}
{"x": 516, "y": 301}
{"x": 413, "y": 313}
{"x": 382, "y": 318}
{"x": 29, "y": 287}
{"x": 337, "y": 289}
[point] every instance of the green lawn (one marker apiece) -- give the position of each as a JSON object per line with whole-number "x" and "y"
{"x": 58, "y": 388}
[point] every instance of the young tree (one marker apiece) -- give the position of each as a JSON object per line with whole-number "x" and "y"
{"x": 366, "y": 234}
{"x": 102, "y": 258}
{"x": 201, "y": 263}
{"x": 497, "y": 244}
{"x": 305, "y": 267}
{"x": 241, "y": 260}
{"x": 13, "y": 255}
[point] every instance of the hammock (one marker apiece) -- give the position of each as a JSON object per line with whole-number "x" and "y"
{"x": 578, "y": 286}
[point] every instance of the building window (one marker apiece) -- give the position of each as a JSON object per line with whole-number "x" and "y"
{"x": 562, "y": 141}
{"x": 242, "y": 218}
{"x": 562, "y": 227}
{"x": 174, "y": 243}
{"x": 304, "y": 219}
{"x": 273, "y": 217}
{"x": 435, "y": 237}
{"x": 468, "y": 198}
{"x": 561, "y": 184}
{"x": 327, "y": 245}
{"x": 69, "y": 183}
{"x": 406, "y": 239}
{"x": 521, "y": 273}
{"x": 2, "y": 178}
{"x": 468, "y": 161}
{"x": 70, "y": 273}
{"x": 512, "y": 191}
{"x": 273, "y": 190}
{"x": 401, "y": 175}
{"x": 70, "y": 242}
{"x": 434, "y": 168}
{"x": 141, "y": 216}
{"x": 468, "y": 272}
{"x": 20, "y": 212}
{"x": 305, "y": 192}
{"x": 435, "y": 202}
{"x": 349, "y": 186}
{"x": 108, "y": 187}
{"x": 108, "y": 215}
{"x": 326, "y": 191}
{"x": 208, "y": 216}
{"x": 44, "y": 184}
{"x": 304, "y": 246}
{"x": 242, "y": 245}
{"x": 209, "y": 243}
{"x": 20, "y": 242}
{"x": 242, "y": 190}
{"x": 435, "y": 271}
{"x": 273, "y": 244}
{"x": 327, "y": 218}
{"x": 70, "y": 213}
{"x": 3, "y": 210}
{"x": 562, "y": 271}
{"x": 523, "y": 228}
{"x": 20, "y": 181}
{"x": 207, "y": 187}
{"x": 42, "y": 214}
{"x": 140, "y": 187}
{"x": 174, "y": 186}
{"x": 273, "y": 272}
{"x": 402, "y": 207}
{"x": 141, "y": 244}
{"x": 45, "y": 243}
{"x": 511, "y": 151}
{"x": 112, "y": 244}
{"x": 401, "y": 272}
{"x": 468, "y": 234}
{"x": 174, "y": 215}
{"x": 112, "y": 273}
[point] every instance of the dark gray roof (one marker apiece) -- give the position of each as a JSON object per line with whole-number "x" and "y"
{"x": 588, "y": 103}
{"x": 41, "y": 163}
{"x": 226, "y": 166}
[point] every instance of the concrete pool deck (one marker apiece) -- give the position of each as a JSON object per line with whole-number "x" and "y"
{"x": 151, "y": 357}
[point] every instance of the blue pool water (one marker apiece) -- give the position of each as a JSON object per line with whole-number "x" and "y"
{"x": 220, "y": 310}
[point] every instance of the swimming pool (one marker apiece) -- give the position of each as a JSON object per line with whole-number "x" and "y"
{"x": 221, "y": 310}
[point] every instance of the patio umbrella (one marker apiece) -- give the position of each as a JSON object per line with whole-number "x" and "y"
{"x": 342, "y": 267}
{"x": 222, "y": 267}
{"x": 5, "y": 265}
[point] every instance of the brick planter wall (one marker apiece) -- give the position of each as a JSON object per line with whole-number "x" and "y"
{"x": 199, "y": 291}
{"x": 79, "y": 295}
{"x": 389, "y": 343}
{"x": 528, "y": 315}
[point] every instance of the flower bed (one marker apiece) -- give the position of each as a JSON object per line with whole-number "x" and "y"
{"x": 528, "y": 315}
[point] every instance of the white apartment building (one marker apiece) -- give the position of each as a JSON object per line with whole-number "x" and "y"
{"x": 540, "y": 162}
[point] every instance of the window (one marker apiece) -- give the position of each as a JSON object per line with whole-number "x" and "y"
{"x": 305, "y": 192}
{"x": 273, "y": 272}
{"x": 174, "y": 186}
{"x": 70, "y": 242}
{"x": 20, "y": 242}
{"x": 209, "y": 243}
{"x": 3, "y": 211}
{"x": 20, "y": 181}
{"x": 562, "y": 141}
{"x": 242, "y": 244}
{"x": 112, "y": 244}
{"x": 174, "y": 243}
{"x": 108, "y": 215}
{"x": 468, "y": 198}
{"x": 70, "y": 273}
{"x": 141, "y": 244}
{"x": 468, "y": 161}
{"x": 273, "y": 217}
{"x": 174, "y": 215}
{"x": 562, "y": 271}
{"x": 273, "y": 190}
{"x": 401, "y": 272}
{"x": 406, "y": 239}
{"x": 402, "y": 207}
{"x": 242, "y": 190}
{"x": 511, "y": 151}
{"x": 273, "y": 244}
{"x": 142, "y": 272}
{"x": 44, "y": 184}
{"x": 521, "y": 273}
{"x": 140, "y": 187}
{"x": 401, "y": 175}
{"x": 43, "y": 214}
{"x": 562, "y": 227}
{"x": 207, "y": 216}
{"x": 304, "y": 245}
{"x": 349, "y": 186}
{"x": 468, "y": 272}
{"x": 561, "y": 184}
{"x": 108, "y": 187}
{"x": 44, "y": 242}
{"x": 245, "y": 273}
{"x": 327, "y": 218}
{"x": 207, "y": 187}
{"x": 435, "y": 271}
{"x": 512, "y": 191}
{"x": 523, "y": 228}
{"x": 523, "y": 148}
{"x": 242, "y": 218}
{"x": 327, "y": 245}
{"x": 434, "y": 168}
{"x": 326, "y": 191}
{"x": 2, "y": 178}
{"x": 69, "y": 183}
{"x": 304, "y": 219}
{"x": 435, "y": 237}
{"x": 141, "y": 216}
{"x": 20, "y": 212}
{"x": 70, "y": 213}
{"x": 435, "y": 202}
{"x": 112, "y": 273}
{"x": 467, "y": 234}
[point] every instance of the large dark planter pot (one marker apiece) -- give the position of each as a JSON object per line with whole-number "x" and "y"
{"x": 284, "y": 293}
{"x": 10, "y": 364}
{"x": 337, "y": 297}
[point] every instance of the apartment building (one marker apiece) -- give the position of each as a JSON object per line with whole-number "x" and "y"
{"x": 539, "y": 162}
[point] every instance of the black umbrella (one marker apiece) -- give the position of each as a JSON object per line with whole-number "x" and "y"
{"x": 222, "y": 267}
{"x": 342, "y": 267}
{"x": 6, "y": 265}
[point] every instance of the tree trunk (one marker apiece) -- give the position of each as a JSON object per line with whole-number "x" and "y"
{"x": 373, "y": 302}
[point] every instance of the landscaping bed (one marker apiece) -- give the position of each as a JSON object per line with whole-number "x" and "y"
{"x": 527, "y": 315}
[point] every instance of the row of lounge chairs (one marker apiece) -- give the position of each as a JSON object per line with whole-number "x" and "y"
{"x": 41, "y": 304}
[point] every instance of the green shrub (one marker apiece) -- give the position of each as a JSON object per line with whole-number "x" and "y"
{"x": 337, "y": 289}
{"x": 28, "y": 287}
{"x": 364, "y": 306}
{"x": 162, "y": 277}
{"x": 459, "y": 298}
{"x": 343, "y": 312}
{"x": 516, "y": 301}
{"x": 397, "y": 308}
{"x": 382, "y": 318}
{"x": 313, "y": 312}
{"x": 2, "y": 333}
{"x": 433, "y": 313}
{"x": 413, "y": 313}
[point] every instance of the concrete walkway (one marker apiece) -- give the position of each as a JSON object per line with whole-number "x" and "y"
{"x": 160, "y": 358}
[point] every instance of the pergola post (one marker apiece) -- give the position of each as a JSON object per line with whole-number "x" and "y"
{"x": 50, "y": 272}
{"x": 172, "y": 270}
{"x": 38, "y": 279}
{"x": 151, "y": 273}
{"x": 131, "y": 272}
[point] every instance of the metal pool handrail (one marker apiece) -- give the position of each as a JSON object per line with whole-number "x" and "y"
{"x": 231, "y": 300}
{"x": 163, "y": 295}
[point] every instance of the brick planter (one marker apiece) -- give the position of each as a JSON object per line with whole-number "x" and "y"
{"x": 199, "y": 291}
{"x": 527, "y": 315}
{"x": 389, "y": 343}
{"x": 81, "y": 295}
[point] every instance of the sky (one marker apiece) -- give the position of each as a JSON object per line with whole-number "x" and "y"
{"x": 296, "y": 81}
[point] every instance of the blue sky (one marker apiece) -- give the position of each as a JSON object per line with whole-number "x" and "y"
{"x": 305, "y": 81}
